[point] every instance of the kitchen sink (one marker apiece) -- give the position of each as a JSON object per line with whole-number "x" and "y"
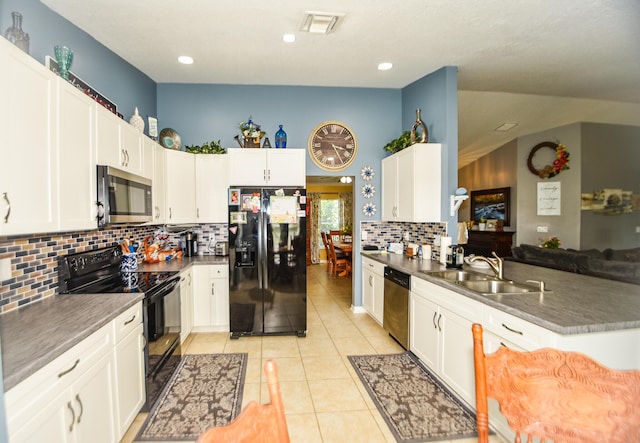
{"x": 496, "y": 287}
{"x": 457, "y": 275}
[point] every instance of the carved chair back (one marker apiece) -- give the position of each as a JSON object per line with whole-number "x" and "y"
{"x": 556, "y": 395}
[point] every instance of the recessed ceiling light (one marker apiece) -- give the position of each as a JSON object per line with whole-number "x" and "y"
{"x": 385, "y": 66}
{"x": 289, "y": 38}
{"x": 506, "y": 126}
{"x": 185, "y": 60}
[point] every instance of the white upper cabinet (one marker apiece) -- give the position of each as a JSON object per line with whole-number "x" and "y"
{"x": 267, "y": 167}
{"x": 211, "y": 188}
{"x": 411, "y": 184}
{"x": 119, "y": 144}
{"x": 180, "y": 186}
{"x": 76, "y": 158}
{"x": 28, "y": 188}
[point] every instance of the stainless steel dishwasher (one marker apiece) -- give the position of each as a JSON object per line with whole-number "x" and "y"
{"x": 395, "y": 318}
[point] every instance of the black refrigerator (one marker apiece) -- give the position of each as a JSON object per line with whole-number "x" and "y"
{"x": 267, "y": 261}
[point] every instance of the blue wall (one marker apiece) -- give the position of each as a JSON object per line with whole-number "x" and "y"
{"x": 437, "y": 95}
{"x": 106, "y": 72}
{"x": 210, "y": 112}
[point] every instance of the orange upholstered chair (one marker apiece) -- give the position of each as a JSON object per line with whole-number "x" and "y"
{"x": 556, "y": 395}
{"x": 256, "y": 423}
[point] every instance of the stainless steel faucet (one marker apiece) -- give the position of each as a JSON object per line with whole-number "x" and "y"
{"x": 496, "y": 265}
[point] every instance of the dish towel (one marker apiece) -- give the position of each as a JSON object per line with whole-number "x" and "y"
{"x": 463, "y": 234}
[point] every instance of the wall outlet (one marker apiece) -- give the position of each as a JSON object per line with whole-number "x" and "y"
{"x": 637, "y": 229}
{"x": 5, "y": 269}
{"x": 406, "y": 236}
{"x": 363, "y": 234}
{"x": 543, "y": 228}
{"x": 436, "y": 240}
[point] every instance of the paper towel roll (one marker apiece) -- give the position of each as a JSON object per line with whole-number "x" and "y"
{"x": 444, "y": 242}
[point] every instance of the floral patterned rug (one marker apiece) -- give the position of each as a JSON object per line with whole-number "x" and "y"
{"x": 206, "y": 390}
{"x": 416, "y": 407}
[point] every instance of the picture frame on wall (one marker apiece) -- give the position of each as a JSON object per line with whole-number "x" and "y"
{"x": 491, "y": 204}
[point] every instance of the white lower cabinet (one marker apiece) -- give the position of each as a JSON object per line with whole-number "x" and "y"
{"x": 373, "y": 288}
{"x": 211, "y": 298}
{"x": 83, "y": 394}
{"x": 186, "y": 304}
{"x": 69, "y": 400}
{"x": 441, "y": 338}
{"x": 129, "y": 358}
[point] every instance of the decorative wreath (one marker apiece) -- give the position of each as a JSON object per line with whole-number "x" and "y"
{"x": 559, "y": 164}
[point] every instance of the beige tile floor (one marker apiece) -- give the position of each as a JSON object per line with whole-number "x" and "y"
{"x": 323, "y": 397}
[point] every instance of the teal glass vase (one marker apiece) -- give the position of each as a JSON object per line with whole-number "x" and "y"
{"x": 281, "y": 138}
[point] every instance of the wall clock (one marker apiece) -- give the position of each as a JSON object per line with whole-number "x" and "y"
{"x": 332, "y": 146}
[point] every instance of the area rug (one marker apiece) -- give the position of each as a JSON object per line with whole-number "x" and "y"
{"x": 205, "y": 391}
{"x": 414, "y": 404}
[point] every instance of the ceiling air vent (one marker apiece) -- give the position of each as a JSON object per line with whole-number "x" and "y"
{"x": 320, "y": 22}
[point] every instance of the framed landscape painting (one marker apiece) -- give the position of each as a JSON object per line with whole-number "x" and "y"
{"x": 491, "y": 204}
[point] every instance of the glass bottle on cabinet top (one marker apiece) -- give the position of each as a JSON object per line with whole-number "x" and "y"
{"x": 16, "y": 35}
{"x": 281, "y": 138}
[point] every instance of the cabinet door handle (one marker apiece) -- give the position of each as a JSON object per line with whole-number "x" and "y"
{"x": 123, "y": 158}
{"x": 213, "y": 289}
{"x": 73, "y": 416}
{"x": 126, "y": 153}
{"x": 129, "y": 321}
{"x": 65, "y": 372}
{"x": 371, "y": 280}
{"x": 511, "y": 330}
{"x": 435, "y": 326}
{"x": 169, "y": 213}
{"x": 264, "y": 174}
{"x": 81, "y": 407}
{"x": 439, "y": 326}
{"x": 8, "y": 213}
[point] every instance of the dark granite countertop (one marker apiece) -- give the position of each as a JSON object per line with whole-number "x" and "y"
{"x": 575, "y": 304}
{"x": 184, "y": 263}
{"x": 34, "y": 335}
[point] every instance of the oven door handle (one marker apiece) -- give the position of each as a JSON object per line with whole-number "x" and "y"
{"x": 165, "y": 289}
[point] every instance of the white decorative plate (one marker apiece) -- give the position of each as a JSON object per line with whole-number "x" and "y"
{"x": 369, "y": 209}
{"x": 367, "y": 173}
{"x": 368, "y": 190}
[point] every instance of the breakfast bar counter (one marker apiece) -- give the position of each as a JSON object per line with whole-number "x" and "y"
{"x": 572, "y": 303}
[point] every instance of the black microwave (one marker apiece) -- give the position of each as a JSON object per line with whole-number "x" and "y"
{"x": 122, "y": 197}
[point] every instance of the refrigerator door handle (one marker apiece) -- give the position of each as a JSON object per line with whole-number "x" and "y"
{"x": 264, "y": 253}
{"x": 259, "y": 257}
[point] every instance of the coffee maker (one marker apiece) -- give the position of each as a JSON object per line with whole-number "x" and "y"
{"x": 455, "y": 256}
{"x": 189, "y": 244}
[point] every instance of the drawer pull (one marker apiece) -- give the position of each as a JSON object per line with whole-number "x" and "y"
{"x": 81, "y": 407}
{"x": 511, "y": 330}
{"x": 129, "y": 321}
{"x": 63, "y": 373}
{"x": 73, "y": 416}
{"x": 435, "y": 326}
{"x": 439, "y": 326}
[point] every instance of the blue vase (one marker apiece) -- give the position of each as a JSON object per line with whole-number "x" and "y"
{"x": 281, "y": 138}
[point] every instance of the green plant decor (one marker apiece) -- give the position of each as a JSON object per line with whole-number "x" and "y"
{"x": 207, "y": 148}
{"x": 398, "y": 144}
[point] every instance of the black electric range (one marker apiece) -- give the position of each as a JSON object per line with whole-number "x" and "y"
{"x": 99, "y": 272}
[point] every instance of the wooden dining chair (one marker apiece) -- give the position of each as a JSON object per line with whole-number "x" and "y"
{"x": 556, "y": 395}
{"x": 256, "y": 423}
{"x": 326, "y": 248}
{"x": 340, "y": 261}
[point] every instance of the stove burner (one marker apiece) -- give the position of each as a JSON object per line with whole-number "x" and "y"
{"x": 127, "y": 282}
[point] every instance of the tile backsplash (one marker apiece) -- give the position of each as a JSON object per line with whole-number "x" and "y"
{"x": 381, "y": 233}
{"x": 34, "y": 272}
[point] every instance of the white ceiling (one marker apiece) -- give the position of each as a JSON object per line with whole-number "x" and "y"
{"x": 541, "y": 63}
